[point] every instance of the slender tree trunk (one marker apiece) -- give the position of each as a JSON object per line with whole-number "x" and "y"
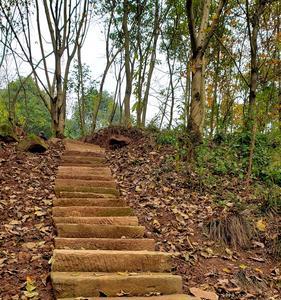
{"x": 199, "y": 43}
{"x": 128, "y": 71}
{"x": 156, "y": 32}
{"x": 196, "y": 117}
{"x": 214, "y": 103}
{"x": 253, "y": 29}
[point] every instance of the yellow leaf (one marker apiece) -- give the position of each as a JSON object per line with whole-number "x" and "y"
{"x": 261, "y": 225}
{"x": 259, "y": 270}
{"x": 243, "y": 267}
{"x": 226, "y": 270}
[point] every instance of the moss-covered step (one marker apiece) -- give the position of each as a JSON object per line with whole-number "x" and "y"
{"x": 130, "y": 221}
{"x": 32, "y": 143}
{"x": 167, "y": 297}
{"x": 105, "y": 171}
{"x": 105, "y": 243}
{"x": 7, "y": 133}
{"x": 64, "y": 194}
{"x": 60, "y": 183}
{"x": 99, "y": 231}
{"x": 87, "y": 189}
{"x": 104, "y": 202}
{"x": 91, "y": 211}
{"x": 74, "y": 284}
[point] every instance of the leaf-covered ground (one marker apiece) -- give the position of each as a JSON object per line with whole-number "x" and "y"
{"x": 26, "y": 229}
{"x": 170, "y": 201}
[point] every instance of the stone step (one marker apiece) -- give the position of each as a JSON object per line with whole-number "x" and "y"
{"x": 92, "y": 211}
{"x": 83, "y": 158}
{"x": 95, "y": 153}
{"x": 111, "y": 261}
{"x": 64, "y": 194}
{"x": 67, "y": 284}
{"x": 61, "y": 183}
{"x": 87, "y": 189}
{"x": 105, "y": 171}
{"x": 129, "y": 221}
{"x": 82, "y": 147}
{"x": 105, "y": 244}
{"x": 99, "y": 231}
{"x": 81, "y": 176}
{"x": 78, "y": 163}
{"x": 105, "y": 202}
{"x": 167, "y": 297}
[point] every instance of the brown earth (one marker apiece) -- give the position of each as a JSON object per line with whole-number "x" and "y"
{"x": 26, "y": 229}
{"x": 174, "y": 206}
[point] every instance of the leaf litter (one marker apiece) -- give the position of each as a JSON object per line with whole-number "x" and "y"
{"x": 26, "y": 229}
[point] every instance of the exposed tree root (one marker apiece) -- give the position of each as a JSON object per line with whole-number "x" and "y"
{"x": 232, "y": 229}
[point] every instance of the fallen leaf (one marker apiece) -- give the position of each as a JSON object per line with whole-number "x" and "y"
{"x": 203, "y": 294}
{"x": 261, "y": 225}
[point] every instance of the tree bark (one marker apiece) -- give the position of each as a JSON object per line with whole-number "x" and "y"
{"x": 128, "y": 71}
{"x": 199, "y": 44}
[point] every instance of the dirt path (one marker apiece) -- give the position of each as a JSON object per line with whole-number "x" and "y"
{"x": 100, "y": 250}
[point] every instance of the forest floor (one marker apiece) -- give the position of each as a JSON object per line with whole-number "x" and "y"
{"x": 26, "y": 229}
{"x": 169, "y": 200}
{"x": 174, "y": 207}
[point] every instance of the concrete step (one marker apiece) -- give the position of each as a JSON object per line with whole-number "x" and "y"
{"x": 167, "y": 297}
{"x": 86, "y": 284}
{"x": 105, "y": 202}
{"x": 60, "y": 183}
{"x": 129, "y": 221}
{"x": 111, "y": 261}
{"x": 105, "y": 244}
{"x": 87, "y": 189}
{"x": 64, "y": 194}
{"x": 91, "y": 211}
{"x": 99, "y": 231}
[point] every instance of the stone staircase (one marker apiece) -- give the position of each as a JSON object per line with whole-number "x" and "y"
{"x": 99, "y": 249}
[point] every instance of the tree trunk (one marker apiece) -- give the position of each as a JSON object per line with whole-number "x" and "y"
{"x": 214, "y": 103}
{"x": 128, "y": 91}
{"x": 58, "y": 115}
{"x": 196, "y": 117}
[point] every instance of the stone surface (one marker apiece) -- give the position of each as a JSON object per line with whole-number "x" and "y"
{"x": 99, "y": 231}
{"x": 111, "y": 261}
{"x": 7, "y": 133}
{"x": 65, "y": 194}
{"x": 106, "y": 202}
{"x": 91, "y": 211}
{"x": 94, "y": 284}
{"x": 130, "y": 221}
{"x": 60, "y": 183}
{"x": 87, "y": 189}
{"x": 105, "y": 244}
{"x": 33, "y": 144}
{"x": 169, "y": 297}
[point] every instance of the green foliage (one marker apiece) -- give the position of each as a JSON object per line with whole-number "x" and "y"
{"x": 230, "y": 153}
{"x": 21, "y": 101}
{"x": 166, "y": 137}
{"x": 271, "y": 197}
